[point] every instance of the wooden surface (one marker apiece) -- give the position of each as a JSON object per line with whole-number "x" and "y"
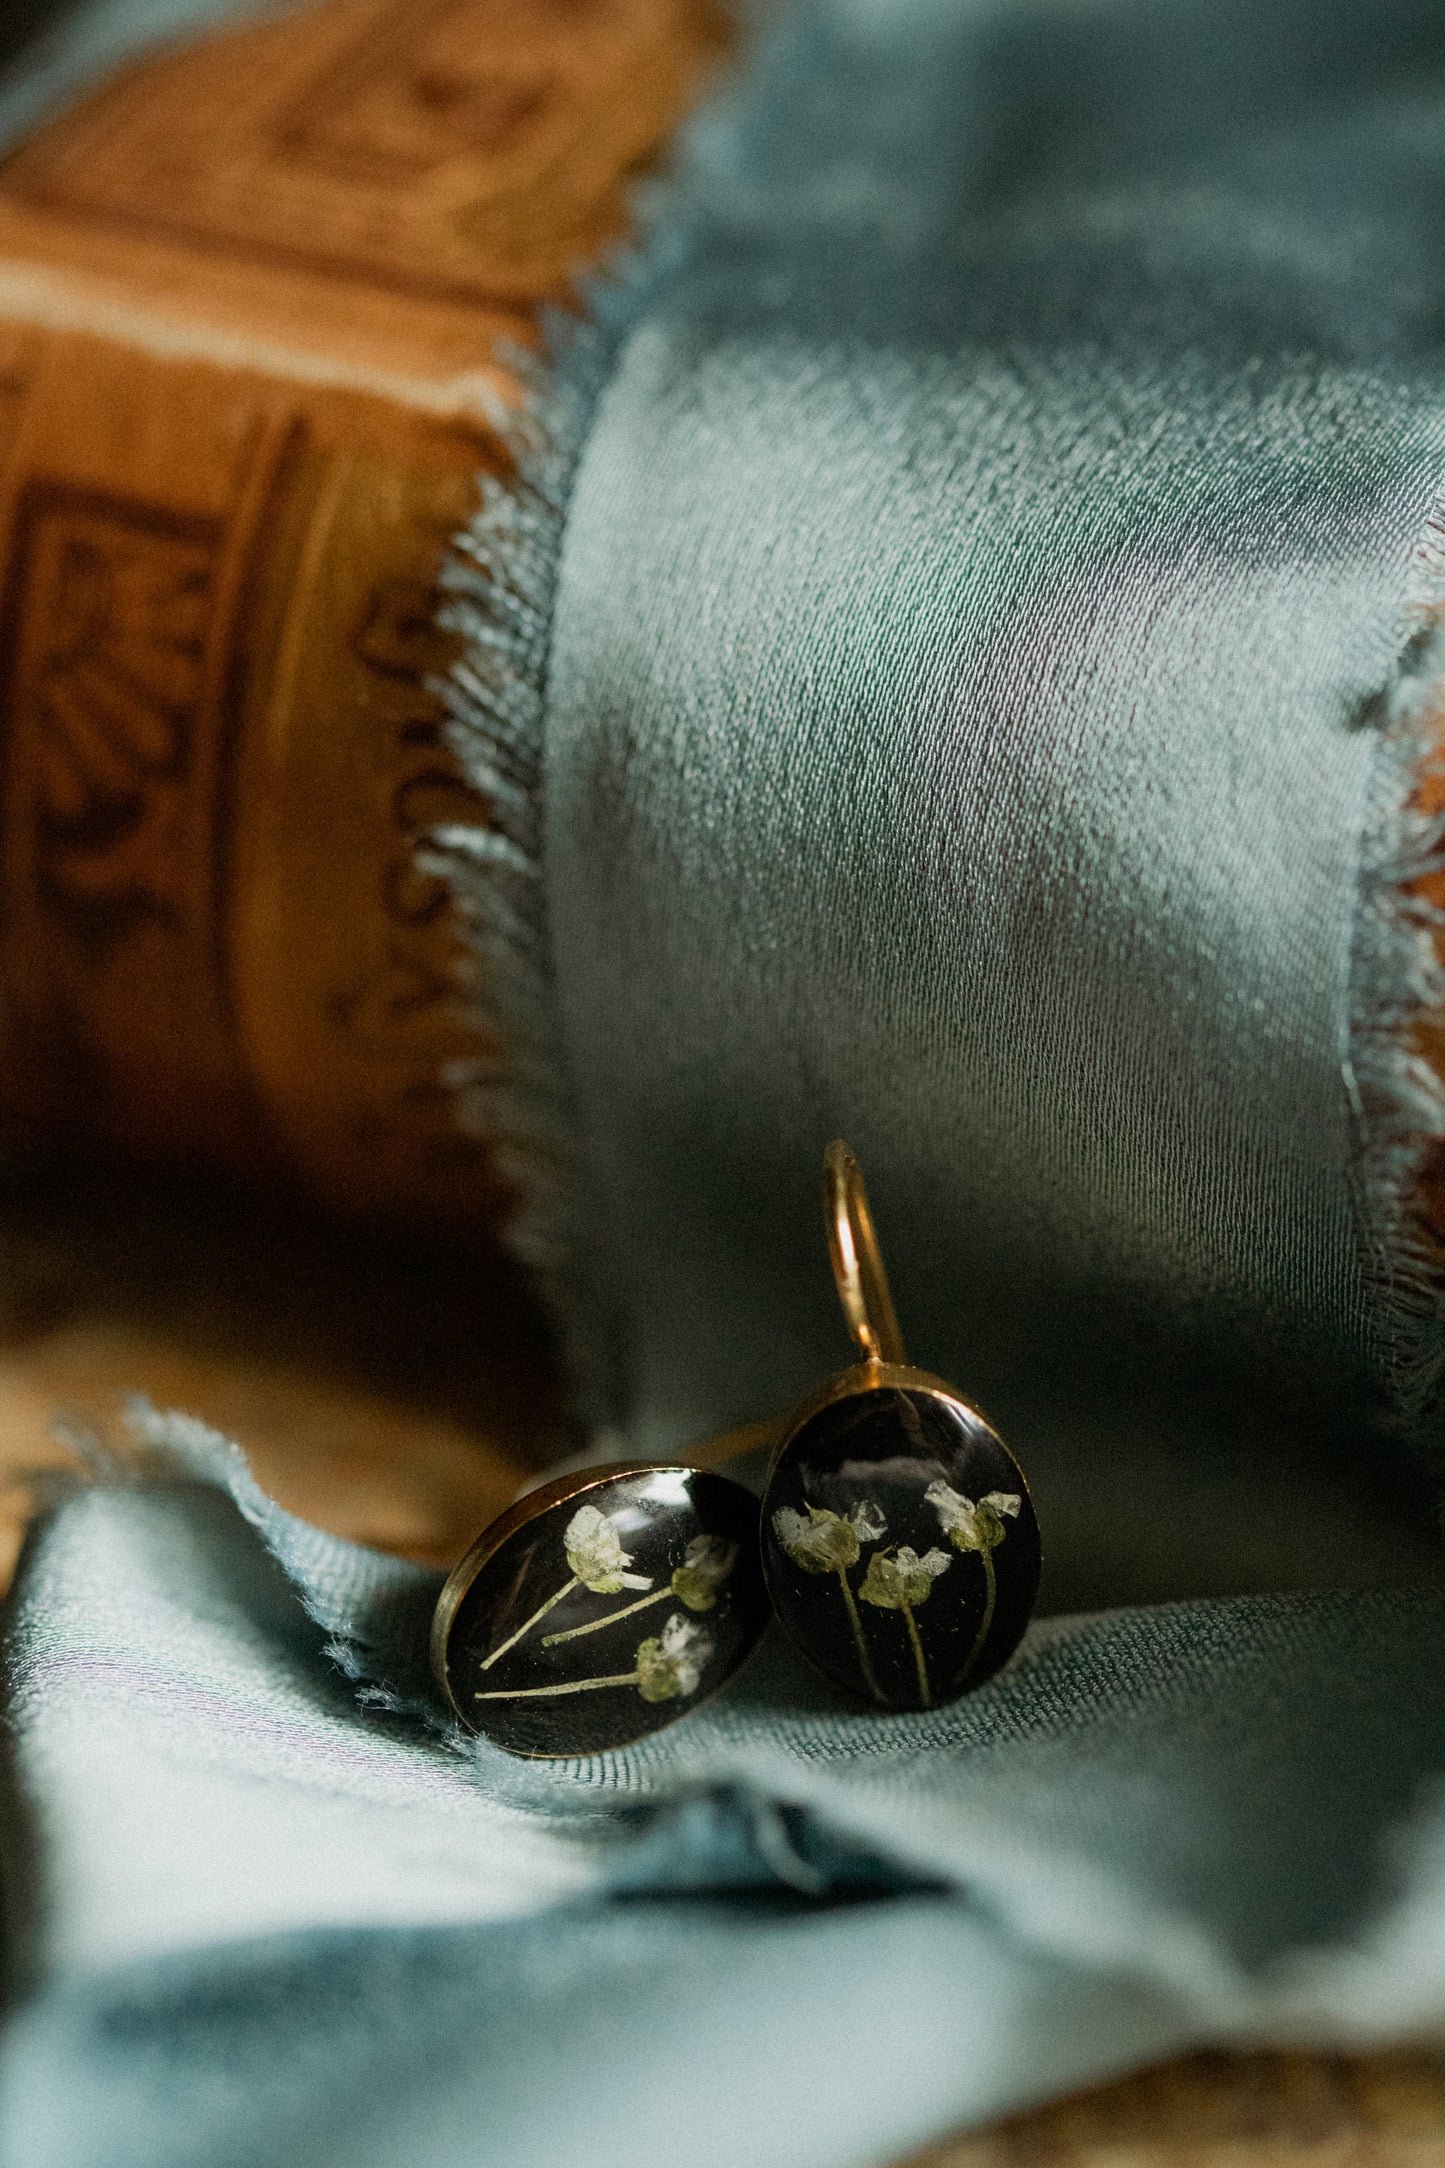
{"x": 1231, "y": 2111}
{"x": 393, "y": 1393}
{"x": 399, "y": 1395}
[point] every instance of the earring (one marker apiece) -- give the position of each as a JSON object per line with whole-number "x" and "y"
{"x": 899, "y": 1542}
{"x": 600, "y": 1608}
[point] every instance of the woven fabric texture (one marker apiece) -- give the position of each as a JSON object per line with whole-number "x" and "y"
{"x": 275, "y": 1913}
{"x": 992, "y": 650}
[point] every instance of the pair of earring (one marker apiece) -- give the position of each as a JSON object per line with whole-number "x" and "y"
{"x": 896, "y": 1545}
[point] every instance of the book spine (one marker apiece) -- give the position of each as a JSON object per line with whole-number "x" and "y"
{"x": 221, "y": 746}
{"x": 252, "y": 295}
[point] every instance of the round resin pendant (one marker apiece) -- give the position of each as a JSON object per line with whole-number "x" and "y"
{"x": 601, "y": 1608}
{"x": 899, "y": 1541}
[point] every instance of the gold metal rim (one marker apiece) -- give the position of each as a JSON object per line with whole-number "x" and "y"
{"x": 868, "y": 1377}
{"x": 885, "y": 1377}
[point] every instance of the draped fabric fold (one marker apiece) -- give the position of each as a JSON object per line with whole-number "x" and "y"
{"x": 957, "y": 666}
{"x": 992, "y": 646}
{"x": 267, "y": 1921}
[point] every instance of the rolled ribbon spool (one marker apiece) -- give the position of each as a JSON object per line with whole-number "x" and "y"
{"x": 1044, "y": 796}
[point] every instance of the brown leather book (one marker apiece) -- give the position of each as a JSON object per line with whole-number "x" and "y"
{"x": 252, "y": 297}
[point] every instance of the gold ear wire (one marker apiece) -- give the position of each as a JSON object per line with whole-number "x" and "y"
{"x": 857, "y": 1265}
{"x": 899, "y": 1542}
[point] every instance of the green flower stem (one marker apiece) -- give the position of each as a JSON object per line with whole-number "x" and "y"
{"x": 568, "y": 1686}
{"x": 857, "y": 1625}
{"x": 990, "y": 1583}
{"x": 595, "y": 1625}
{"x": 496, "y": 1655}
{"x": 925, "y": 1690}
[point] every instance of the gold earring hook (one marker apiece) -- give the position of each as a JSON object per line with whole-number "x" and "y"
{"x": 857, "y": 1265}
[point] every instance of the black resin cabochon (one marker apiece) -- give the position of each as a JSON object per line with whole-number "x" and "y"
{"x": 661, "y": 1570}
{"x": 900, "y": 1547}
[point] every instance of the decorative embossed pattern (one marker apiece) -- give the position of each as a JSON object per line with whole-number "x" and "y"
{"x": 117, "y": 631}
{"x": 343, "y": 960}
{"x": 251, "y": 293}
{"x": 106, "y": 624}
{"x": 470, "y": 148}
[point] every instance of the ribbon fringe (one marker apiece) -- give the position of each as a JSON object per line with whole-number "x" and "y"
{"x": 500, "y": 585}
{"x": 1397, "y": 979}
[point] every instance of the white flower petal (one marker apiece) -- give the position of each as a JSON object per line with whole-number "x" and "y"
{"x": 679, "y": 1634}
{"x": 868, "y": 1521}
{"x": 595, "y": 1554}
{"x": 957, "y": 1515}
{"x": 584, "y": 1527}
{"x": 790, "y": 1525}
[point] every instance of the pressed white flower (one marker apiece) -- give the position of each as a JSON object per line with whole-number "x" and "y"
{"x": 824, "y": 1542}
{"x": 899, "y": 1581}
{"x": 706, "y": 1564}
{"x": 973, "y": 1524}
{"x": 596, "y": 1556}
{"x": 867, "y": 1521}
{"x": 976, "y": 1525}
{"x": 668, "y": 1667}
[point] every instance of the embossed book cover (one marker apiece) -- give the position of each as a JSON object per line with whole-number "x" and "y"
{"x": 260, "y": 296}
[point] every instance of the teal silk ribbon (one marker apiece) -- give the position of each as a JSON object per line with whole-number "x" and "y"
{"x": 986, "y": 671}
{"x": 255, "y": 1922}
